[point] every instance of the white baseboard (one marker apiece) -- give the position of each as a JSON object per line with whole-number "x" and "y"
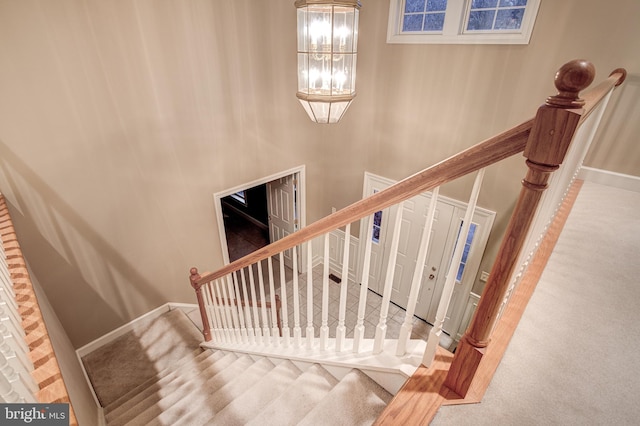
{"x": 113, "y": 335}
{"x": 605, "y": 177}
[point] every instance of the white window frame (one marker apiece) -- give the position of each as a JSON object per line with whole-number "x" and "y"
{"x": 455, "y": 21}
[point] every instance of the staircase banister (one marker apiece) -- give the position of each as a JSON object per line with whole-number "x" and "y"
{"x": 481, "y": 155}
{"x": 595, "y": 94}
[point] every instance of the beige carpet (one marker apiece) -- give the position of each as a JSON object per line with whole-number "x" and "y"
{"x": 575, "y": 357}
{"x": 153, "y": 376}
{"x": 141, "y": 354}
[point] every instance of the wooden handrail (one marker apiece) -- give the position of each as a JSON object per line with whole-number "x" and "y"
{"x": 555, "y": 126}
{"x": 483, "y": 154}
{"x": 46, "y": 373}
{"x": 472, "y": 159}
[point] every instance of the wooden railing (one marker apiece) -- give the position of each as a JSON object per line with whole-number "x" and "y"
{"x": 29, "y": 370}
{"x": 544, "y": 140}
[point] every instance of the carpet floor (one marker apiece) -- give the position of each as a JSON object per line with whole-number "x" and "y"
{"x": 574, "y": 357}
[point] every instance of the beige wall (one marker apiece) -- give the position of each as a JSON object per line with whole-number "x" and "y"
{"x": 119, "y": 120}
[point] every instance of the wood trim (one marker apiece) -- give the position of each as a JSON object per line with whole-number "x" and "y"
{"x": 47, "y": 374}
{"x": 420, "y": 398}
{"x": 514, "y": 310}
{"x": 485, "y": 153}
{"x": 418, "y": 401}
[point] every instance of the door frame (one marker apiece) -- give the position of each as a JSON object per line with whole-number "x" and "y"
{"x": 299, "y": 171}
{"x": 474, "y": 260}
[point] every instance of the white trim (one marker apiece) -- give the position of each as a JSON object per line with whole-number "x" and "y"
{"x": 388, "y": 370}
{"x": 606, "y": 177}
{"x": 217, "y": 201}
{"x": 457, "y": 306}
{"x": 454, "y": 32}
{"x": 120, "y": 331}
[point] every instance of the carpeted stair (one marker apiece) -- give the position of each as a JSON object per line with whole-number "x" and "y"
{"x": 181, "y": 384}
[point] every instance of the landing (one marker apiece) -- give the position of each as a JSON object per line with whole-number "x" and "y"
{"x": 140, "y": 354}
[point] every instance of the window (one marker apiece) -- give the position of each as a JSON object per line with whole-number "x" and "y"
{"x": 241, "y": 197}
{"x": 377, "y": 224}
{"x": 461, "y": 21}
{"x": 466, "y": 250}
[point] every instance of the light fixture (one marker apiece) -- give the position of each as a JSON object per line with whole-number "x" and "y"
{"x": 327, "y": 50}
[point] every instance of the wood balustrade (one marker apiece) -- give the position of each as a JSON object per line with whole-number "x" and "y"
{"x": 544, "y": 140}
{"x": 555, "y": 125}
{"x": 40, "y": 361}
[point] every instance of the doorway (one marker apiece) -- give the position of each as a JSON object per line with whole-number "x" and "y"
{"x": 254, "y": 214}
{"x": 447, "y": 222}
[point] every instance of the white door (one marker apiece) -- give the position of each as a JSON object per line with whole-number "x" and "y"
{"x": 282, "y": 210}
{"x": 443, "y": 235}
{"x": 434, "y": 272}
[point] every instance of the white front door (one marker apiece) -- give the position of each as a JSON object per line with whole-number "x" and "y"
{"x": 443, "y": 235}
{"x": 281, "y": 206}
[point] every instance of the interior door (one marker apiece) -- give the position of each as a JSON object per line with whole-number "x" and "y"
{"x": 281, "y": 206}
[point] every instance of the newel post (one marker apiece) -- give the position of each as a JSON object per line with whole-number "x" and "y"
{"x": 555, "y": 124}
{"x": 193, "y": 278}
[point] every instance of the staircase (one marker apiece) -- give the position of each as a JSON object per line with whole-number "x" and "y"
{"x": 141, "y": 382}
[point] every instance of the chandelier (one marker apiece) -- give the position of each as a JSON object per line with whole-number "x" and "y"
{"x": 327, "y": 50}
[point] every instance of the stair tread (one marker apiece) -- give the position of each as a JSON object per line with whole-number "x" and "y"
{"x": 259, "y": 395}
{"x": 166, "y": 393}
{"x": 303, "y": 394}
{"x": 162, "y": 377}
{"x": 355, "y": 400}
{"x": 206, "y": 398}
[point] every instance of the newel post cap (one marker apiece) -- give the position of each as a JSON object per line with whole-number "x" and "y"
{"x": 556, "y": 121}
{"x": 194, "y": 276}
{"x": 570, "y": 80}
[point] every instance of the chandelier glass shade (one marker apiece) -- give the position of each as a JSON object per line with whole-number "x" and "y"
{"x": 327, "y": 53}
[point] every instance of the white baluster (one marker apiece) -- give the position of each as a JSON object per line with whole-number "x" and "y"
{"x": 447, "y": 291}
{"x": 220, "y": 303}
{"x": 7, "y": 393}
{"x": 18, "y": 346}
{"x": 286, "y": 333}
{"x": 324, "y": 327}
{"x": 16, "y": 364}
{"x": 12, "y": 320}
{"x": 238, "y": 302}
{"x": 358, "y": 333}
{"x": 341, "y": 330}
{"x": 254, "y": 302}
{"x": 381, "y": 329}
{"x": 275, "y": 331}
{"x": 214, "y": 324}
{"x": 310, "y": 330}
{"x": 265, "y": 321}
{"x": 17, "y": 332}
{"x": 416, "y": 282}
{"x": 247, "y": 308}
{"x": 227, "y": 303}
{"x": 297, "y": 331}
{"x": 21, "y": 381}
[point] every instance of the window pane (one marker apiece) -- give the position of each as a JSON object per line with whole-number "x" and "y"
{"x": 510, "y": 3}
{"x": 434, "y": 22}
{"x": 481, "y": 20}
{"x": 377, "y": 222}
{"x": 436, "y": 5}
{"x": 466, "y": 250}
{"x": 483, "y": 4}
{"x": 509, "y": 19}
{"x": 412, "y": 6}
{"x": 412, "y": 23}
